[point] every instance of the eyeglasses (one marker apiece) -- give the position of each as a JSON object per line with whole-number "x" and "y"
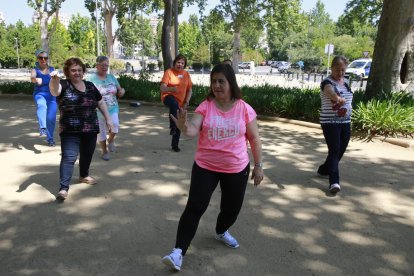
{"x": 103, "y": 64}
{"x": 44, "y": 58}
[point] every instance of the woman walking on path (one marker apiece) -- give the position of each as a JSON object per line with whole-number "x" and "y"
{"x": 110, "y": 90}
{"x": 78, "y": 123}
{"x": 45, "y": 101}
{"x": 176, "y": 90}
{"x": 335, "y": 119}
{"x": 224, "y": 123}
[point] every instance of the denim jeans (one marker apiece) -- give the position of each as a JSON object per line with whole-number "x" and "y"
{"x": 73, "y": 144}
{"x": 337, "y": 138}
{"x": 172, "y": 103}
{"x": 46, "y": 113}
{"x": 203, "y": 184}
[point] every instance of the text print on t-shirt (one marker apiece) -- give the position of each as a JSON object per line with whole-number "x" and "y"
{"x": 223, "y": 128}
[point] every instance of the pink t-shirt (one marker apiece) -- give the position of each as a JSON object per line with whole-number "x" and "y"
{"x": 222, "y": 143}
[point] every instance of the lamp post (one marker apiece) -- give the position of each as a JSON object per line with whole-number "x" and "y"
{"x": 209, "y": 53}
{"x": 98, "y": 46}
{"x": 17, "y": 50}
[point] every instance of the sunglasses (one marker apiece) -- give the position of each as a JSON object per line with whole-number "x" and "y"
{"x": 44, "y": 58}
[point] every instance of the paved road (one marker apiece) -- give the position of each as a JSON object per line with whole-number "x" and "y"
{"x": 127, "y": 222}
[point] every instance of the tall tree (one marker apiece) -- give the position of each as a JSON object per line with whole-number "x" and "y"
{"x": 393, "y": 60}
{"x": 240, "y": 13}
{"x": 108, "y": 9}
{"x": 44, "y": 10}
{"x": 281, "y": 18}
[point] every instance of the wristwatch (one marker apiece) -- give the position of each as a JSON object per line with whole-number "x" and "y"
{"x": 260, "y": 165}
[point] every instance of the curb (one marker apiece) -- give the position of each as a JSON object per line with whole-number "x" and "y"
{"x": 394, "y": 141}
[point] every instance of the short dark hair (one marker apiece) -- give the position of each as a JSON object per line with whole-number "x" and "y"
{"x": 100, "y": 59}
{"x": 230, "y": 76}
{"x": 338, "y": 59}
{"x": 228, "y": 61}
{"x": 70, "y": 62}
{"x": 178, "y": 57}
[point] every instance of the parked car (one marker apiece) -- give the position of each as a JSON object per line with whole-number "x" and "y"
{"x": 244, "y": 65}
{"x": 359, "y": 68}
{"x": 283, "y": 66}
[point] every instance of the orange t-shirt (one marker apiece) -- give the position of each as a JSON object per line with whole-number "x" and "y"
{"x": 180, "y": 79}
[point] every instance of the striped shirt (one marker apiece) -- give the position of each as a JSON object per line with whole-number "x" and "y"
{"x": 331, "y": 115}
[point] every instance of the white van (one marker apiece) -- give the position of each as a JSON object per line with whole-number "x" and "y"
{"x": 359, "y": 68}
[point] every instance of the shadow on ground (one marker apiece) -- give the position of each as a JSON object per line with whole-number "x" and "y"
{"x": 126, "y": 223}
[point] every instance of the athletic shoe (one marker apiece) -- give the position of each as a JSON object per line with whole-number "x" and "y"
{"x": 88, "y": 180}
{"x": 176, "y": 149}
{"x": 174, "y": 260}
{"x": 105, "y": 156}
{"x": 62, "y": 195}
{"x": 326, "y": 176}
{"x": 334, "y": 188}
{"x": 111, "y": 146}
{"x": 227, "y": 239}
{"x": 51, "y": 143}
{"x": 43, "y": 132}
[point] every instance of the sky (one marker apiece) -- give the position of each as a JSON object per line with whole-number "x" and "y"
{"x": 13, "y": 10}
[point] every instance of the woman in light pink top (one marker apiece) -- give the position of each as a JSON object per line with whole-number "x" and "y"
{"x": 224, "y": 123}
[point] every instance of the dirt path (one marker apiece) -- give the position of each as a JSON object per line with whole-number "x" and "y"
{"x": 126, "y": 223}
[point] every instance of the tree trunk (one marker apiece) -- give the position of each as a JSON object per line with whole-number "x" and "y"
{"x": 236, "y": 50}
{"x": 166, "y": 33}
{"x": 392, "y": 63}
{"x": 108, "y": 15}
{"x": 43, "y": 18}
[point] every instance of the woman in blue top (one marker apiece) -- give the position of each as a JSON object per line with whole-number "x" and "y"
{"x": 110, "y": 90}
{"x": 45, "y": 102}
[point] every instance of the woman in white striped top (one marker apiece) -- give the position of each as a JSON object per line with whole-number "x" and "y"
{"x": 335, "y": 119}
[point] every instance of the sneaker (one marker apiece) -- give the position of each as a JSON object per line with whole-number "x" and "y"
{"x": 326, "y": 176}
{"x": 43, "y": 132}
{"x": 334, "y": 188}
{"x": 176, "y": 149}
{"x": 111, "y": 146}
{"x": 88, "y": 180}
{"x": 105, "y": 156}
{"x": 51, "y": 143}
{"x": 174, "y": 260}
{"x": 62, "y": 195}
{"x": 227, "y": 239}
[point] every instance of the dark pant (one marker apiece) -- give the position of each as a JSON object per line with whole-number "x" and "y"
{"x": 337, "y": 138}
{"x": 71, "y": 145}
{"x": 172, "y": 103}
{"x": 203, "y": 184}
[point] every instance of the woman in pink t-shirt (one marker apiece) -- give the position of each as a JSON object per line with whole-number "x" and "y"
{"x": 224, "y": 123}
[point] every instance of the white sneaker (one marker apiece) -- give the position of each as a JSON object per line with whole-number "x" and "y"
{"x": 334, "y": 188}
{"x": 111, "y": 146}
{"x": 174, "y": 260}
{"x": 227, "y": 239}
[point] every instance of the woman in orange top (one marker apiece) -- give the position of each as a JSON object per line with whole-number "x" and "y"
{"x": 176, "y": 93}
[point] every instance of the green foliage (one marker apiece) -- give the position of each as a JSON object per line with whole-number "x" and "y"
{"x": 142, "y": 90}
{"x": 393, "y": 115}
{"x": 197, "y": 66}
{"x": 16, "y": 87}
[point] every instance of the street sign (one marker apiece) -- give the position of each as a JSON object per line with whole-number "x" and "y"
{"x": 366, "y": 54}
{"x": 329, "y": 49}
{"x": 301, "y": 63}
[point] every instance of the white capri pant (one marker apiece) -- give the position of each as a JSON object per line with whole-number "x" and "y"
{"x": 103, "y": 130}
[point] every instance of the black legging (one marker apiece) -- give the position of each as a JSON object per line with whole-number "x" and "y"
{"x": 173, "y": 104}
{"x": 203, "y": 184}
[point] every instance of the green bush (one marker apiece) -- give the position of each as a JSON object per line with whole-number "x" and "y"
{"x": 197, "y": 66}
{"x": 390, "y": 116}
{"x": 17, "y": 87}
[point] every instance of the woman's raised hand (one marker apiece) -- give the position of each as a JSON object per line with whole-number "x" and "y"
{"x": 181, "y": 120}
